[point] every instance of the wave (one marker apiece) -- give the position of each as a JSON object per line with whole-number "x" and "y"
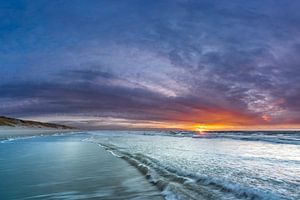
{"x": 276, "y": 140}
{"x": 12, "y": 139}
{"x": 267, "y": 136}
{"x": 110, "y": 151}
{"x": 178, "y": 184}
{"x": 276, "y": 137}
{"x": 270, "y": 140}
{"x": 15, "y": 138}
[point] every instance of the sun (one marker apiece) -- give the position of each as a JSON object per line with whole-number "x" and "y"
{"x": 201, "y": 129}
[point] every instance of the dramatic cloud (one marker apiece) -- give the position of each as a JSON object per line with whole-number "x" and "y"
{"x": 134, "y": 64}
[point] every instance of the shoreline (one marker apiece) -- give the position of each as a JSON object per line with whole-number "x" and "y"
{"x": 78, "y": 169}
{"x": 10, "y": 132}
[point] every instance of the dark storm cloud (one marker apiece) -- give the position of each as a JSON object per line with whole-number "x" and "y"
{"x": 145, "y": 60}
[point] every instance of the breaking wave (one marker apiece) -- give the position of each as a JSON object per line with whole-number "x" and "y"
{"x": 290, "y": 137}
{"x": 179, "y": 184}
{"x": 12, "y": 139}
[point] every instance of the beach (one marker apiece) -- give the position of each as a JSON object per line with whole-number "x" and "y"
{"x": 138, "y": 100}
{"x": 151, "y": 165}
{"x": 64, "y": 167}
{"x": 12, "y": 132}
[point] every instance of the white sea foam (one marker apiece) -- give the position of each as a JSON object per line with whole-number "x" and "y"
{"x": 114, "y": 154}
{"x": 12, "y": 139}
{"x": 271, "y": 137}
{"x": 212, "y": 168}
{"x": 187, "y": 184}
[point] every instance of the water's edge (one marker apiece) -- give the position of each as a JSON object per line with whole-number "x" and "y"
{"x": 175, "y": 184}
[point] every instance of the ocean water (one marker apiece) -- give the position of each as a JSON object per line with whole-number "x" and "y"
{"x": 177, "y": 165}
{"x": 64, "y": 167}
{"x": 220, "y": 165}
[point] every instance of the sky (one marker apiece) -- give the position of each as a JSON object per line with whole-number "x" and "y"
{"x": 147, "y": 64}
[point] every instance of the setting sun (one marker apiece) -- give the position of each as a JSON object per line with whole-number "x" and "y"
{"x": 200, "y": 129}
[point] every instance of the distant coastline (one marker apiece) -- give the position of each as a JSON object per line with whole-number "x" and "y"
{"x": 12, "y": 127}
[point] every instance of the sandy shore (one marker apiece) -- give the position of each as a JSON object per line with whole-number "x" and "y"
{"x": 6, "y": 131}
{"x": 68, "y": 169}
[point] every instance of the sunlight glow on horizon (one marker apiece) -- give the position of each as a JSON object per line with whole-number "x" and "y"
{"x": 121, "y": 123}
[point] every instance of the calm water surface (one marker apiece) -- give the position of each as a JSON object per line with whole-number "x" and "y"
{"x": 63, "y": 167}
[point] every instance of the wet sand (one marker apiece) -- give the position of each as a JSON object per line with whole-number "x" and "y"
{"x": 8, "y": 132}
{"x": 64, "y": 167}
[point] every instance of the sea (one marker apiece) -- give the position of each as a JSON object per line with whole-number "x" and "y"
{"x": 152, "y": 165}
